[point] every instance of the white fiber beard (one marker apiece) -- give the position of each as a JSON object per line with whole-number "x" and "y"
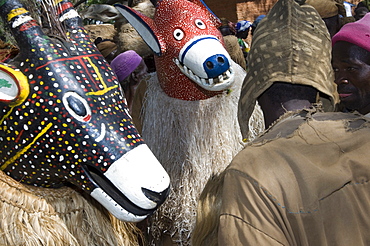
{"x": 192, "y": 140}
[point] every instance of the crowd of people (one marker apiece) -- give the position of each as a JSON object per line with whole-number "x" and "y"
{"x": 304, "y": 180}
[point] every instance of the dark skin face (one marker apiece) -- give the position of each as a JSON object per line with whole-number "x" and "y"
{"x": 283, "y": 97}
{"x": 351, "y": 65}
{"x": 243, "y": 34}
{"x": 272, "y": 112}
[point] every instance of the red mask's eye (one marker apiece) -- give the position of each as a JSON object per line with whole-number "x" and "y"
{"x": 178, "y": 34}
{"x": 200, "y": 24}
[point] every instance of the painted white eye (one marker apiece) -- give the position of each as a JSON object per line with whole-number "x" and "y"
{"x": 200, "y": 24}
{"x": 77, "y": 106}
{"x": 178, "y": 34}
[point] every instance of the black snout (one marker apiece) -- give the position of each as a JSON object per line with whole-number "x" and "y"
{"x": 157, "y": 197}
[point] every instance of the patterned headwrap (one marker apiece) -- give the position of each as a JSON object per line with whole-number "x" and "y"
{"x": 243, "y": 25}
{"x": 292, "y": 45}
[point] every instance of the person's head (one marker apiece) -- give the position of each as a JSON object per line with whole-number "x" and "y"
{"x": 282, "y": 97}
{"x": 363, "y": 4}
{"x": 351, "y": 64}
{"x": 329, "y": 12}
{"x": 360, "y": 12}
{"x": 108, "y": 49}
{"x": 242, "y": 29}
{"x": 333, "y": 24}
{"x": 225, "y": 30}
{"x": 227, "y": 27}
{"x": 297, "y": 50}
{"x": 129, "y": 66}
{"x": 255, "y": 23}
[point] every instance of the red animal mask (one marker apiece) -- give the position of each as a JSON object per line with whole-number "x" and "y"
{"x": 192, "y": 63}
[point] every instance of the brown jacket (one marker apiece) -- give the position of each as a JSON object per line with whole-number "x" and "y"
{"x": 304, "y": 182}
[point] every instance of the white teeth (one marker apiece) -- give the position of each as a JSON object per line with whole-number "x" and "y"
{"x": 228, "y": 73}
{"x": 221, "y": 79}
{"x": 191, "y": 74}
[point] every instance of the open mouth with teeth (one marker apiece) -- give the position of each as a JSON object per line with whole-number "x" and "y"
{"x": 219, "y": 83}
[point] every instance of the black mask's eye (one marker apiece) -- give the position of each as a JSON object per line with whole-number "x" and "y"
{"x": 77, "y": 106}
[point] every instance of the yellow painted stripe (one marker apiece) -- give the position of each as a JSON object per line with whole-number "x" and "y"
{"x": 101, "y": 92}
{"x": 11, "y": 160}
{"x": 6, "y": 115}
{"x": 106, "y": 89}
{"x": 15, "y": 12}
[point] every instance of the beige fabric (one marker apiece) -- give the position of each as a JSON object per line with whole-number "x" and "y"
{"x": 326, "y": 8}
{"x": 305, "y": 182}
{"x": 292, "y": 45}
{"x": 106, "y": 48}
{"x": 233, "y": 48}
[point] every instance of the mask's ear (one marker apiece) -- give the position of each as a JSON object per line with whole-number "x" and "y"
{"x": 145, "y": 27}
{"x": 14, "y": 87}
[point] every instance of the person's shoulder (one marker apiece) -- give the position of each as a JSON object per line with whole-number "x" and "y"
{"x": 294, "y": 142}
{"x": 287, "y": 126}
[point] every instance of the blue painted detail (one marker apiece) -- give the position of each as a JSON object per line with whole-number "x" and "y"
{"x": 216, "y": 65}
{"x": 205, "y": 5}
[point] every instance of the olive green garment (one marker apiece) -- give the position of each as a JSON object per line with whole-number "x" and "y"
{"x": 304, "y": 182}
{"x": 292, "y": 45}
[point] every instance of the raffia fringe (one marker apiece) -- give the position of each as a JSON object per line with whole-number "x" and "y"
{"x": 193, "y": 140}
{"x": 32, "y": 216}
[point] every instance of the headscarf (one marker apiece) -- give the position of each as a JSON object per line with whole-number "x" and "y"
{"x": 258, "y": 20}
{"x": 125, "y": 63}
{"x": 357, "y": 33}
{"x": 243, "y": 25}
{"x": 291, "y": 45}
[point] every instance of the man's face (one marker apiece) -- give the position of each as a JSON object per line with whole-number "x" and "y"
{"x": 352, "y": 76}
{"x": 243, "y": 34}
